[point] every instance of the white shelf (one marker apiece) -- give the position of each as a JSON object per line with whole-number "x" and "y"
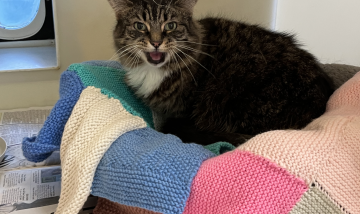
{"x": 28, "y": 58}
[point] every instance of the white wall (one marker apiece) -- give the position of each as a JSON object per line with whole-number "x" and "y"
{"x": 251, "y": 11}
{"x": 85, "y": 33}
{"x": 330, "y": 29}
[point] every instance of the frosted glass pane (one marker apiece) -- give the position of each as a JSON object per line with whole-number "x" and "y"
{"x": 16, "y": 14}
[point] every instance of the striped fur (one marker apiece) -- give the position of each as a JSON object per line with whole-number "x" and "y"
{"x": 220, "y": 79}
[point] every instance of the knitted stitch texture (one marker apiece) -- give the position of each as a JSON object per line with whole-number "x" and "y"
{"x": 106, "y": 64}
{"x": 111, "y": 82}
{"x": 240, "y": 182}
{"x": 147, "y": 169}
{"x": 315, "y": 201}
{"x": 37, "y": 149}
{"x": 105, "y": 206}
{"x": 326, "y": 151}
{"x": 96, "y": 121}
{"x": 104, "y": 75}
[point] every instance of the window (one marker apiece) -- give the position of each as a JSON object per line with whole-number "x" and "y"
{"x": 27, "y": 35}
{"x": 21, "y": 18}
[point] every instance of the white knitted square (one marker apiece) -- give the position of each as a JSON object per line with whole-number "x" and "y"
{"x": 95, "y": 123}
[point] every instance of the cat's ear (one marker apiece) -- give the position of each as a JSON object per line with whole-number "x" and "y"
{"x": 186, "y": 4}
{"x": 121, "y": 6}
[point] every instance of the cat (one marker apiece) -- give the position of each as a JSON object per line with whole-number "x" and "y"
{"x": 216, "y": 79}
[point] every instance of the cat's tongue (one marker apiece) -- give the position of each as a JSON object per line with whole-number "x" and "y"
{"x": 155, "y": 55}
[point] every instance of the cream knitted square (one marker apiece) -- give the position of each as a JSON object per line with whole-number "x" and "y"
{"x": 95, "y": 123}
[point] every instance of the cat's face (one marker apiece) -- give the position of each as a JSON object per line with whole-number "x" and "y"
{"x": 160, "y": 33}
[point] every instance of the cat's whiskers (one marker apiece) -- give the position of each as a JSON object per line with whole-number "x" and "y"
{"x": 195, "y": 50}
{"x": 186, "y": 66}
{"x": 115, "y": 54}
{"x": 188, "y": 59}
{"x": 133, "y": 64}
{"x": 177, "y": 62}
{"x": 133, "y": 51}
{"x": 138, "y": 58}
{"x": 127, "y": 51}
{"x": 168, "y": 64}
{"x": 196, "y": 61}
{"x": 121, "y": 49}
{"x": 181, "y": 74}
{"x": 133, "y": 59}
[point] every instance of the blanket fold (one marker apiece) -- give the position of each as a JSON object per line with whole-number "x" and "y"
{"x": 38, "y": 148}
{"x": 95, "y": 123}
{"x": 108, "y": 77}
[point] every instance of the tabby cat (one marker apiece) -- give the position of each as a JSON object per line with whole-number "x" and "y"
{"x": 216, "y": 79}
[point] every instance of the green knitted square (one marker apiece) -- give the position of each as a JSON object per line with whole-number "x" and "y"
{"x": 111, "y": 82}
{"x": 220, "y": 147}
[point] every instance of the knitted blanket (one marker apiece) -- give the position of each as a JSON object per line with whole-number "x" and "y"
{"x": 109, "y": 149}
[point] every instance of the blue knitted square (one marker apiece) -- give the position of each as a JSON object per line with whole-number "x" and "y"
{"x": 148, "y": 169}
{"x": 37, "y": 149}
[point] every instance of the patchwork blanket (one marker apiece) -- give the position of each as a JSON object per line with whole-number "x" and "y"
{"x": 109, "y": 149}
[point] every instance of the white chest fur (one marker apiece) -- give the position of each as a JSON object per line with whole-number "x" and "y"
{"x": 146, "y": 79}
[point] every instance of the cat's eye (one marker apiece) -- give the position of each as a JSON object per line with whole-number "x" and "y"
{"x": 170, "y": 26}
{"x": 139, "y": 26}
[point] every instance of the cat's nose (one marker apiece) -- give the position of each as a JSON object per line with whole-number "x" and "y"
{"x": 156, "y": 44}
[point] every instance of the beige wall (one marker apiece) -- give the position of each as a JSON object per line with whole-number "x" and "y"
{"x": 84, "y": 33}
{"x": 330, "y": 29}
{"x": 251, "y": 11}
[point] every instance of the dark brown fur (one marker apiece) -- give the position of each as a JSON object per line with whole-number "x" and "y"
{"x": 247, "y": 80}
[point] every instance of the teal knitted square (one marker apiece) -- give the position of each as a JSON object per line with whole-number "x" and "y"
{"x": 111, "y": 82}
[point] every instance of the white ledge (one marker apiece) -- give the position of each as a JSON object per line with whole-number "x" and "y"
{"x": 28, "y": 58}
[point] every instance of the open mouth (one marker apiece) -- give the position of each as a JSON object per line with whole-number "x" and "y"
{"x": 155, "y": 57}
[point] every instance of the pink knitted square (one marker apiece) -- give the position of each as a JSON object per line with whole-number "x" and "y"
{"x": 326, "y": 151}
{"x": 240, "y": 182}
